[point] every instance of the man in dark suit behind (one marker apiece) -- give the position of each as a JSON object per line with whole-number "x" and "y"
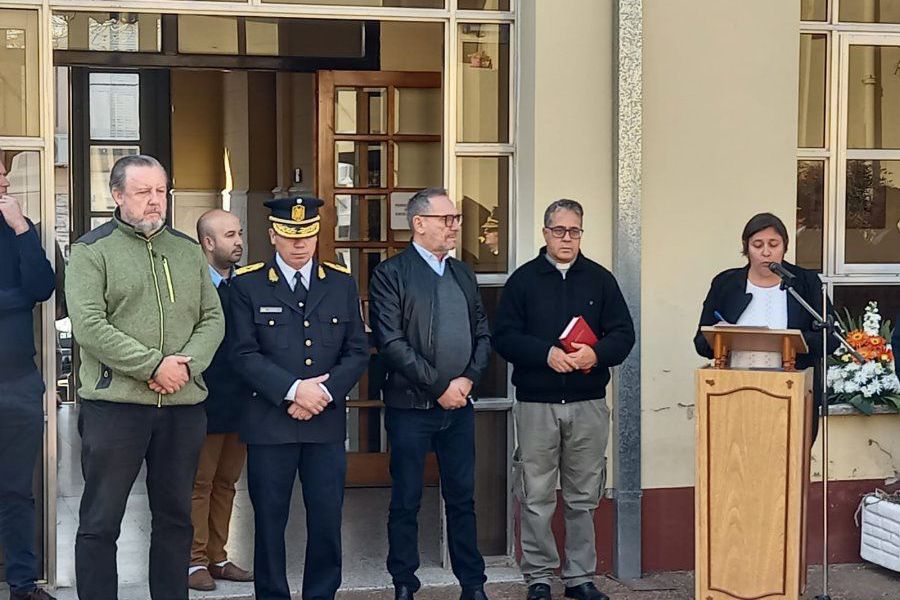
{"x": 300, "y": 344}
{"x": 222, "y": 455}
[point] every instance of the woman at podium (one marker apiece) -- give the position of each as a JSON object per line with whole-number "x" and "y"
{"x": 753, "y": 296}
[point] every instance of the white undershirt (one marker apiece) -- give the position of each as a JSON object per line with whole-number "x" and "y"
{"x": 768, "y": 308}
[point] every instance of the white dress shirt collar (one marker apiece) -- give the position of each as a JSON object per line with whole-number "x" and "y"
{"x": 288, "y": 271}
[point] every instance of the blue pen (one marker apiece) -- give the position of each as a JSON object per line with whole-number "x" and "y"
{"x": 719, "y": 316}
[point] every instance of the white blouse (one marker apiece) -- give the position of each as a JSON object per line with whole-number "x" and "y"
{"x": 768, "y": 308}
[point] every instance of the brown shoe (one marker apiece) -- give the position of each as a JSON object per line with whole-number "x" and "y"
{"x": 230, "y": 572}
{"x": 201, "y": 580}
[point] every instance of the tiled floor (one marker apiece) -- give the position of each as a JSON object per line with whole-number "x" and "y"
{"x": 364, "y": 531}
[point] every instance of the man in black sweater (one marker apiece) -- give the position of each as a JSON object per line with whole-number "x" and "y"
{"x": 562, "y": 420}
{"x": 26, "y": 278}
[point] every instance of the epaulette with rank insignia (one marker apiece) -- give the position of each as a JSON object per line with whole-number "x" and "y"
{"x": 336, "y": 267}
{"x": 249, "y": 268}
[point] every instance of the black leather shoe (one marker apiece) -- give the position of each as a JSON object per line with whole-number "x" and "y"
{"x": 403, "y": 593}
{"x": 585, "y": 591}
{"x": 473, "y": 594}
{"x": 539, "y": 591}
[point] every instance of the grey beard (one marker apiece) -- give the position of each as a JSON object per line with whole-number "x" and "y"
{"x": 149, "y": 227}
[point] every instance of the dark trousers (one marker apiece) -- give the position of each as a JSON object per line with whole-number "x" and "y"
{"x": 116, "y": 438}
{"x": 271, "y": 472}
{"x": 451, "y": 435}
{"x": 21, "y": 429}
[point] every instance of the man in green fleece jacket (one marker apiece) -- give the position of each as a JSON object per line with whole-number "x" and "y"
{"x": 148, "y": 321}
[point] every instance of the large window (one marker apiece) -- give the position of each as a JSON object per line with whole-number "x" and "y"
{"x": 848, "y": 149}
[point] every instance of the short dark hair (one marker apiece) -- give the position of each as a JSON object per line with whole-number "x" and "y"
{"x": 120, "y": 169}
{"x": 759, "y": 222}
{"x": 420, "y": 203}
{"x": 562, "y": 204}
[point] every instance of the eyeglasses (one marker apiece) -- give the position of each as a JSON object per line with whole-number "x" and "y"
{"x": 560, "y": 232}
{"x": 449, "y": 220}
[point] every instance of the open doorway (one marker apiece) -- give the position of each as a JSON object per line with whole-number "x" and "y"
{"x": 233, "y": 109}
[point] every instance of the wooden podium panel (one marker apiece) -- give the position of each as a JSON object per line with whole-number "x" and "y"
{"x": 753, "y": 432}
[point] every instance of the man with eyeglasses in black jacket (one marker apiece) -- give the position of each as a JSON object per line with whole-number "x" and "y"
{"x": 562, "y": 420}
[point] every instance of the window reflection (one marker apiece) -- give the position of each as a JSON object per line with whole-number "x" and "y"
{"x": 872, "y": 211}
{"x": 484, "y": 83}
{"x": 20, "y": 100}
{"x": 360, "y": 164}
{"x": 811, "y": 121}
{"x": 873, "y": 98}
{"x": 106, "y": 32}
{"x": 870, "y": 11}
{"x": 484, "y": 190}
{"x": 810, "y": 213}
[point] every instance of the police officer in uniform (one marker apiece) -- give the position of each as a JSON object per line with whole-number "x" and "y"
{"x": 300, "y": 344}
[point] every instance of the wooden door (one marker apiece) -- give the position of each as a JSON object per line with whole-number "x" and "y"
{"x": 379, "y": 142}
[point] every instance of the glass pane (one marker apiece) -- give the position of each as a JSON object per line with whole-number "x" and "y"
{"x": 360, "y": 164}
{"x": 98, "y": 221}
{"x": 872, "y": 211}
{"x": 491, "y": 468}
{"x": 810, "y": 213}
{"x": 317, "y": 37}
{"x": 873, "y": 104}
{"x": 813, "y": 10}
{"x": 360, "y": 218}
{"x": 20, "y": 101}
{"x": 494, "y": 383}
{"x": 23, "y": 169}
{"x": 483, "y": 4}
{"x": 484, "y": 83}
{"x": 870, "y": 11}
{"x": 811, "y": 121}
{"x": 107, "y": 32}
{"x": 484, "y": 190}
{"x": 362, "y": 110}
{"x": 361, "y": 263}
{"x": 115, "y": 106}
{"x": 199, "y": 34}
{"x": 102, "y": 160}
{"x": 417, "y": 164}
{"x": 855, "y": 297}
{"x": 388, "y": 3}
{"x": 418, "y": 111}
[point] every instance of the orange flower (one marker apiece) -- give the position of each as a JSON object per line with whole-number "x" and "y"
{"x": 877, "y": 340}
{"x": 857, "y": 338}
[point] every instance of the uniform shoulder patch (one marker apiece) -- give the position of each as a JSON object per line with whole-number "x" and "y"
{"x": 336, "y": 267}
{"x": 249, "y": 268}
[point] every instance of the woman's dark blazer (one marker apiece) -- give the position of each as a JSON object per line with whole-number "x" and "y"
{"x": 728, "y": 296}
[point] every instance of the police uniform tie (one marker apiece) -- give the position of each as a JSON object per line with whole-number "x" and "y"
{"x": 300, "y": 290}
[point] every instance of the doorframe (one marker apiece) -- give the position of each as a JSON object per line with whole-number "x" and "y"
{"x": 450, "y": 16}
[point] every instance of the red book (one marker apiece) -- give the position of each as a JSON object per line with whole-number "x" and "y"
{"x": 577, "y": 331}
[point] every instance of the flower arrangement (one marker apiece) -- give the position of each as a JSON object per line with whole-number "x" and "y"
{"x": 873, "y": 382}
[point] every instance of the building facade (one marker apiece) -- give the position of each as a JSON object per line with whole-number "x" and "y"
{"x": 672, "y": 121}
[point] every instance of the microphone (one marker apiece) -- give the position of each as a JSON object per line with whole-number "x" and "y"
{"x": 786, "y": 276}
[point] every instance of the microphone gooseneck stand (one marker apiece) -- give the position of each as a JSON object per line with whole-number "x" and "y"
{"x": 828, "y": 325}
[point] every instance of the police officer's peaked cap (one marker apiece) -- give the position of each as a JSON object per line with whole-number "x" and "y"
{"x": 295, "y": 217}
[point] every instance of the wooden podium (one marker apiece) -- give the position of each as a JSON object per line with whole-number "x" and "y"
{"x": 753, "y": 439}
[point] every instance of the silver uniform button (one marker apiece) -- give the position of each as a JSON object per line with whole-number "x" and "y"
{"x": 300, "y": 304}
{"x": 271, "y": 322}
{"x": 306, "y": 323}
{"x": 334, "y": 320}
